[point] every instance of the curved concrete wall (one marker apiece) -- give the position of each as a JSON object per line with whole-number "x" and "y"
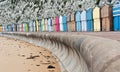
{"x": 77, "y": 53}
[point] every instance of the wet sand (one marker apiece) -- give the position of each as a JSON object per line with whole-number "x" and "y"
{"x": 19, "y": 56}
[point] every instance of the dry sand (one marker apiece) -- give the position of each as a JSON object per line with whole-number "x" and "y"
{"x": 19, "y": 56}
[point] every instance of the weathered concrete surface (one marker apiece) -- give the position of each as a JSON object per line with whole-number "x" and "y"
{"x": 78, "y": 53}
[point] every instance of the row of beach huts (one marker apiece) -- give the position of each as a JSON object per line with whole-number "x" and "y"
{"x": 105, "y": 18}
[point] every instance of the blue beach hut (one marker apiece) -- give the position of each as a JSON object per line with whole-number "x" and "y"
{"x": 78, "y": 21}
{"x": 13, "y": 26}
{"x": 116, "y": 15}
{"x": 49, "y": 24}
{"x": 90, "y": 19}
{"x": 40, "y": 21}
{"x": 64, "y": 19}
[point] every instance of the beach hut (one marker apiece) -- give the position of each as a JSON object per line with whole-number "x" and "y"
{"x": 96, "y": 18}
{"x": 116, "y": 15}
{"x": 37, "y": 25}
{"x": 0, "y": 28}
{"x": 15, "y": 27}
{"x": 107, "y": 18}
{"x": 12, "y": 27}
{"x": 6, "y": 28}
{"x": 40, "y": 21}
{"x": 46, "y": 24}
{"x": 69, "y": 23}
{"x": 18, "y": 28}
{"x": 50, "y": 24}
{"x": 90, "y": 20}
{"x": 43, "y": 25}
{"x": 57, "y": 24}
{"x": 22, "y": 28}
{"x": 78, "y": 21}
{"x": 3, "y": 29}
{"x": 26, "y": 27}
{"x": 34, "y": 26}
{"x": 61, "y": 23}
{"x": 84, "y": 20}
{"x": 31, "y": 26}
{"x": 53, "y": 24}
{"x": 65, "y": 27}
{"x": 9, "y": 28}
{"x": 73, "y": 25}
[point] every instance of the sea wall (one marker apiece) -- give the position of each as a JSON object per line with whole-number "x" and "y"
{"x": 75, "y": 52}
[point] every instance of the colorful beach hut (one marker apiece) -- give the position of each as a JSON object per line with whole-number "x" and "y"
{"x": 31, "y": 26}
{"x": 37, "y": 25}
{"x": 64, "y": 21}
{"x": 61, "y": 23}
{"x": 0, "y": 28}
{"x": 22, "y": 27}
{"x": 46, "y": 24}
{"x": 13, "y": 27}
{"x": 90, "y": 20}
{"x": 3, "y": 28}
{"x": 116, "y": 15}
{"x": 25, "y": 27}
{"x": 9, "y": 27}
{"x": 19, "y": 27}
{"x": 43, "y": 25}
{"x": 73, "y": 25}
{"x": 96, "y": 18}
{"x": 84, "y": 20}
{"x": 40, "y": 22}
{"x": 53, "y": 24}
{"x": 78, "y": 21}
{"x": 57, "y": 24}
{"x": 50, "y": 25}
{"x": 107, "y": 18}
{"x": 34, "y": 26}
{"x": 69, "y": 23}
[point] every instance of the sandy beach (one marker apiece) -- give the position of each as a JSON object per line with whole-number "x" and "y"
{"x": 19, "y": 56}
